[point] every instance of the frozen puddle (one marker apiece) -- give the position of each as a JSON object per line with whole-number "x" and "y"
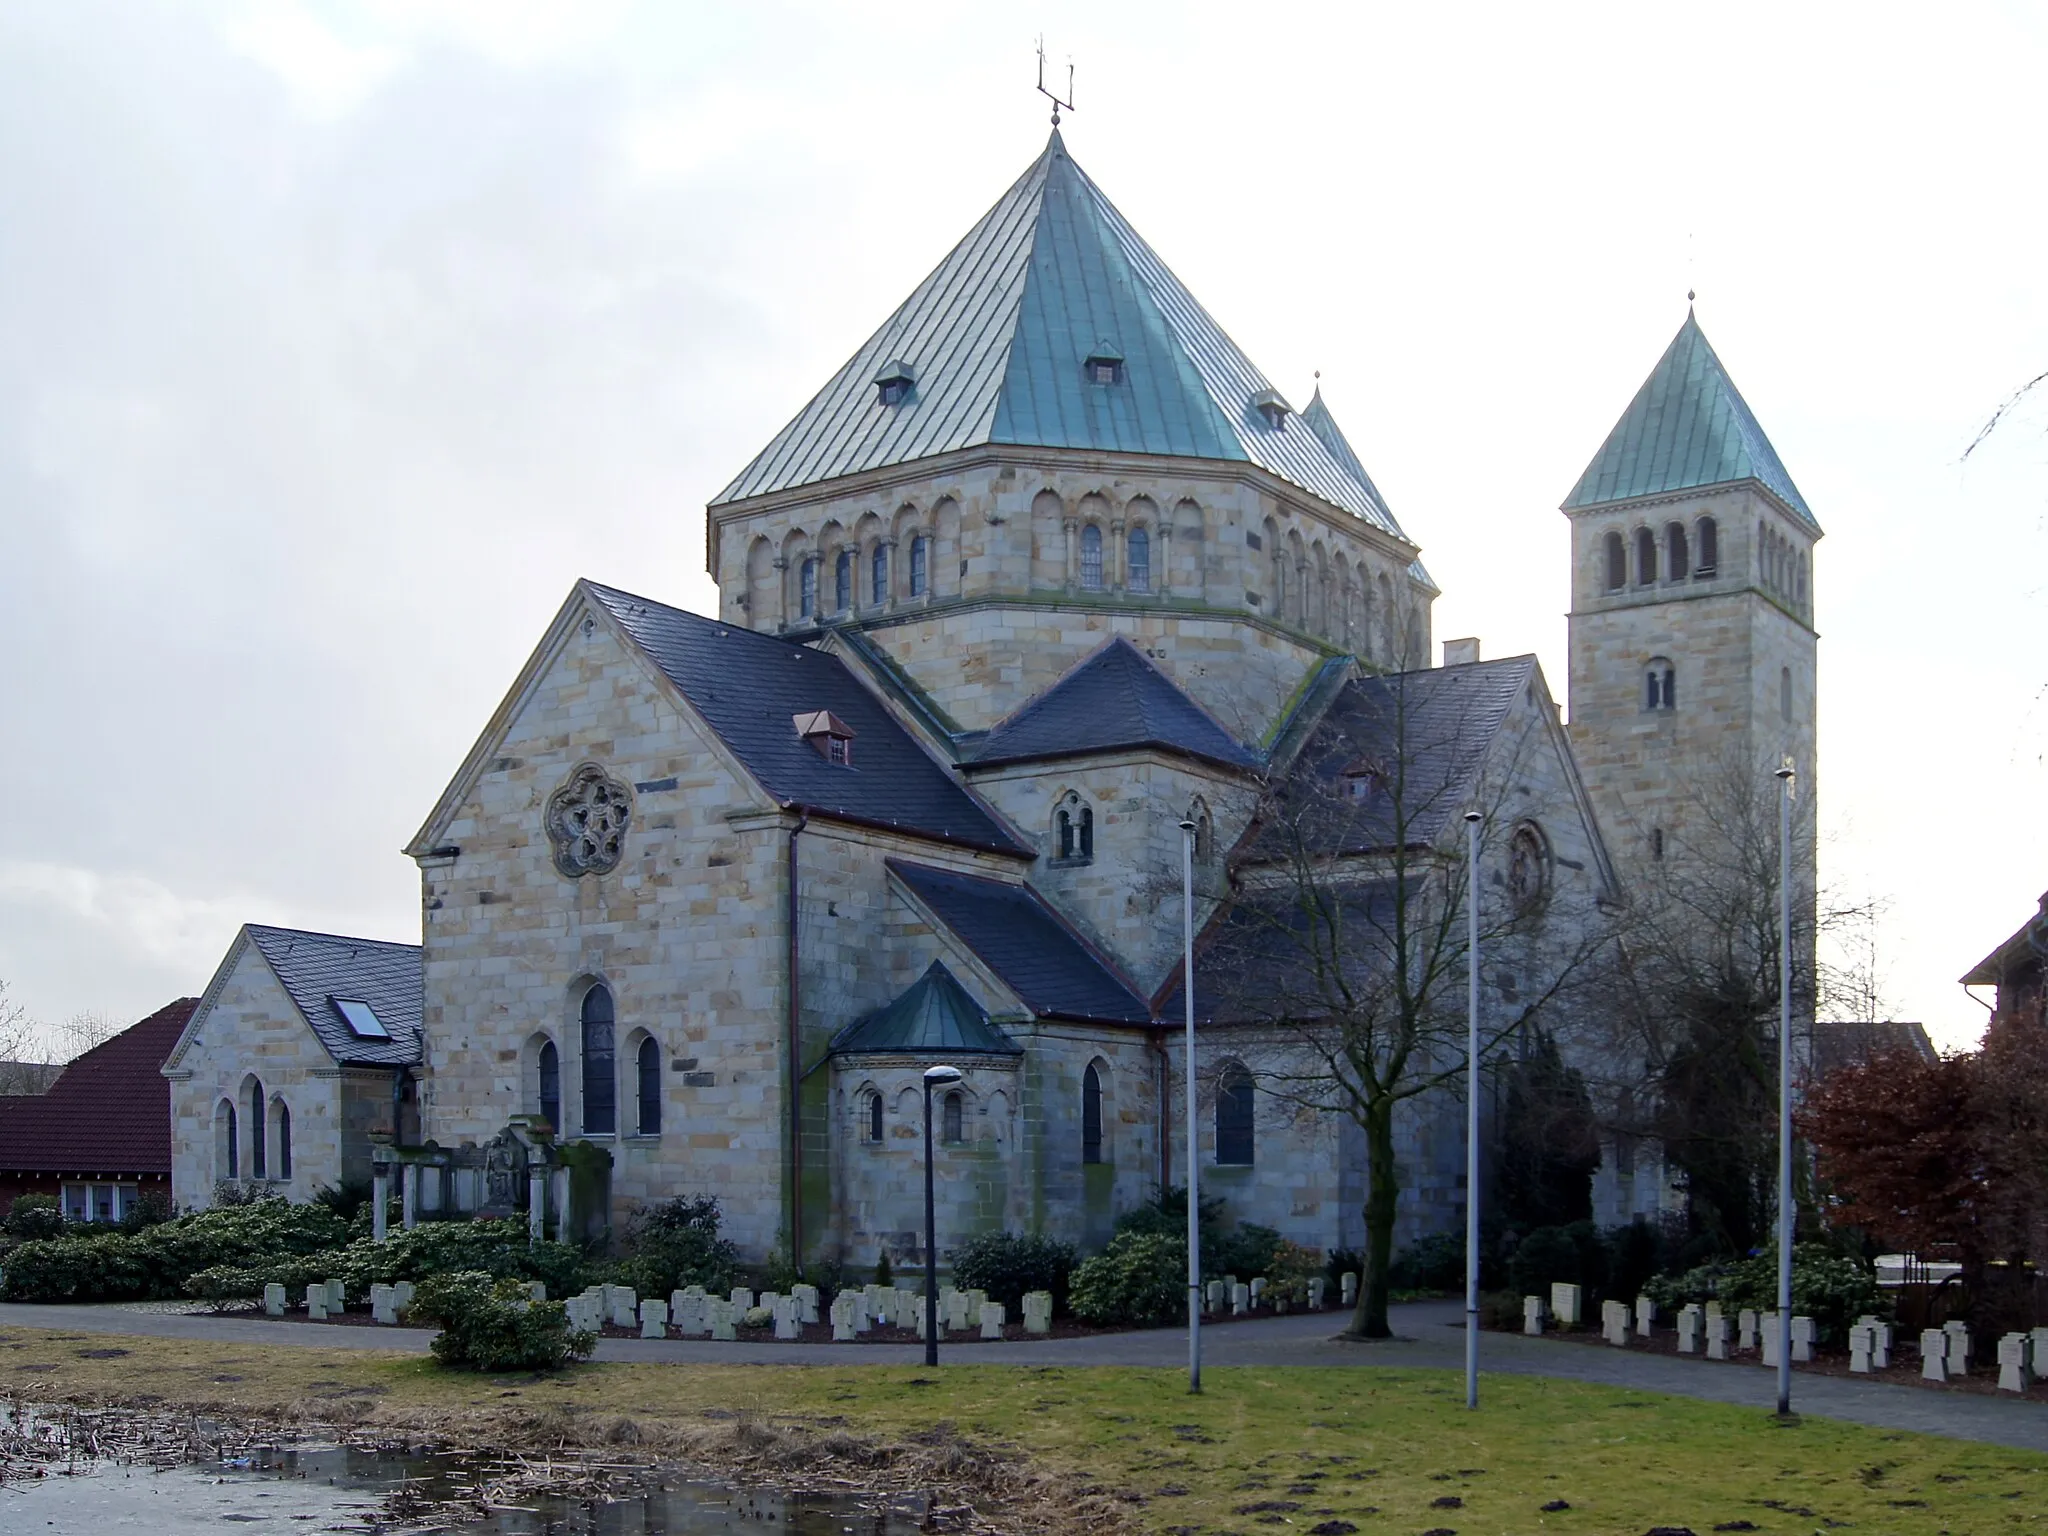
{"x": 338, "y": 1488}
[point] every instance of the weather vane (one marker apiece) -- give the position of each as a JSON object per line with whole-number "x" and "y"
{"x": 1053, "y": 96}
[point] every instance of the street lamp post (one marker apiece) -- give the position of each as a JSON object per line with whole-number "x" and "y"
{"x": 1472, "y": 1110}
{"x": 1784, "y": 776}
{"x": 933, "y": 1077}
{"x": 1187, "y": 988}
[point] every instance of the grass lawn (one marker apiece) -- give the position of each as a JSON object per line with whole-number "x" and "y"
{"x": 1261, "y": 1450}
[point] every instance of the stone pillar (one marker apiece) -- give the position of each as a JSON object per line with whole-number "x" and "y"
{"x": 411, "y": 1182}
{"x": 1162, "y": 555}
{"x": 897, "y": 580}
{"x": 536, "y": 1202}
{"x": 380, "y": 1186}
{"x": 1071, "y": 527}
{"x": 780, "y": 617}
{"x": 1113, "y": 569}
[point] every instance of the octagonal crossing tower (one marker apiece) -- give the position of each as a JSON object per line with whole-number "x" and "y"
{"x": 1693, "y": 647}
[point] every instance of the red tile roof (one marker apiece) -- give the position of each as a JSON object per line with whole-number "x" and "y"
{"x": 109, "y": 1112}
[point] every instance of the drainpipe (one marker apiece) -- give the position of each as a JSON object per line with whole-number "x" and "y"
{"x": 1165, "y": 1082}
{"x": 796, "y": 1065}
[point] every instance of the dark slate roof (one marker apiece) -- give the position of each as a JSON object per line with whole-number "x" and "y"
{"x": 1014, "y": 933}
{"x": 1688, "y": 426}
{"x": 997, "y": 336}
{"x": 936, "y": 1016}
{"x": 2028, "y": 947}
{"x": 108, "y": 1112}
{"x": 1116, "y": 699}
{"x": 318, "y": 967}
{"x": 749, "y": 687}
{"x": 1853, "y": 1042}
{"x": 1426, "y": 734}
{"x": 1254, "y": 958}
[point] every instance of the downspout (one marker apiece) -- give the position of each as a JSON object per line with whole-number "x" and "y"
{"x": 796, "y": 1066}
{"x": 1165, "y": 1095}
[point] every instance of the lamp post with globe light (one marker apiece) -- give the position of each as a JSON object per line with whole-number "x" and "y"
{"x": 933, "y": 1077}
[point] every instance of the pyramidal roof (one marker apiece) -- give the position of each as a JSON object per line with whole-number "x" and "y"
{"x": 1115, "y": 700}
{"x": 993, "y": 346}
{"x": 936, "y": 1014}
{"x": 1688, "y": 426}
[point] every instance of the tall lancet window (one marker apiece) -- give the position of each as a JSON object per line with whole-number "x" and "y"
{"x": 842, "y": 582}
{"x": 920, "y": 565}
{"x": 878, "y": 583}
{"x": 1091, "y": 559}
{"x": 600, "y": 1082}
{"x": 1140, "y": 561}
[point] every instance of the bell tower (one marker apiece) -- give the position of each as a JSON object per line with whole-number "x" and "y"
{"x": 1693, "y": 648}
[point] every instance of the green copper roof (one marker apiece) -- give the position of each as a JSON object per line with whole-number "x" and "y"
{"x": 1688, "y": 426}
{"x": 996, "y": 339}
{"x": 935, "y": 1016}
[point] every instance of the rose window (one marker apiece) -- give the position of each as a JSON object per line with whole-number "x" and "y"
{"x": 586, "y": 822}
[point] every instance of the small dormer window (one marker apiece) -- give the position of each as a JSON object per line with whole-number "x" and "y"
{"x": 1363, "y": 779}
{"x": 895, "y": 382}
{"x": 1270, "y": 404}
{"x": 1105, "y": 364}
{"x": 830, "y": 737}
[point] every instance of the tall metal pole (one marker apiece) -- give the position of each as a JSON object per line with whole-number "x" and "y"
{"x": 1785, "y": 1091}
{"x": 1472, "y": 1110}
{"x": 1187, "y": 975}
{"x": 931, "y": 1242}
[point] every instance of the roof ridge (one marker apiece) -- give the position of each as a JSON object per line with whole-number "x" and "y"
{"x": 317, "y": 933}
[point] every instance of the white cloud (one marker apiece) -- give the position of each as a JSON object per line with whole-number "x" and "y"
{"x": 327, "y": 75}
{"x": 128, "y": 912}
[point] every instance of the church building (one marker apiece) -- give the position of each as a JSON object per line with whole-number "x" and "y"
{"x": 1022, "y": 619}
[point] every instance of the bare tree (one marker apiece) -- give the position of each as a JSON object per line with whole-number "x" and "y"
{"x": 21, "y": 1049}
{"x": 1343, "y": 949}
{"x": 84, "y": 1030}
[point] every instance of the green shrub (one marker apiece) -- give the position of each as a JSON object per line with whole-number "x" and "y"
{"x": 1245, "y": 1250}
{"x": 150, "y": 1208}
{"x": 488, "y": 1324}
{"x": 226, "y": 1285}
{"x": 1006, "y": 1265}
{"x": 1433, "y": 1263}
{"x": 107, "y": 1266}
{"x": 1574, "y": 1255}
{"x": 35, "y": 1216}
{"x": 1141, "y": 1279}
{"x": 676, "y": 1244}
{"x": 1290, "y": 1269}
{"x": 884, "y": 1275}
{"x": 1832, "y": 1290}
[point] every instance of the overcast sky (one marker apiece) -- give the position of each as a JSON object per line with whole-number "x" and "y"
{"x": 336, "y": 341}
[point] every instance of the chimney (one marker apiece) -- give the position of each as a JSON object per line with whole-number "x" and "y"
{"x": 1460, "y": 653}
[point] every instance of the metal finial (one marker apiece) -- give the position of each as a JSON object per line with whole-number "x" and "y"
{"x": 1690, "y": 295}
{"x": 1051, "y": 96}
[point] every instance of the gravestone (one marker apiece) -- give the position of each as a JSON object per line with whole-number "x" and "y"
{"x": 625, "y": 1307}
{"x": 1767, "y": 1339}
{"x": 1347, "y": 1288}
{"x": 742, "y": 1298}
{"x": 1614, "y": 1322}
{"x": 1933, "y": 1355}
{"x": 382, "y": 1308}
{"x": 653, "y": 1319}
{"x": 2040, "y": 1355}
{"x": 273, "y": 1300}
{"x": 1690, "y": 1319}
{"x": 1258, "y": 1290}
{"x": 807, "y": 1302}
{"x": 1745, "y": 1336}
{"x": 537, "y": 1291}
{"x": 1532, "y": 1314}
{"x": 842, "y": 1318}
{"x": 908, "y": 1304}
{"x": 723, "y": 1318}
{"x": 991, "y": 1319}
{"x": 316, "y": 1302}
{"x": 337, "y": 1298}
{"x": 954, "y": 1313}
{"x": 1038, "y": 1311}
{"x": 1240, "y": 1300}
{"x": 402, "y": 1294}
{"x": 1958, "y": 1349}
{"x": 1564, "y": 1304}
{"x": 1803, "y": 1332}
{"x": 1862, "y": 1339}
{"x": 789, "y": 1318}
{"x": 1717, "y": 1338}
{"x": 1646, "y": 1315}
{"x": 2015, "y": 1372}
{"x": 1213, "y": 1296}
{"x": 1713, "y": 1309}
{"x": 1318, "y": 1287}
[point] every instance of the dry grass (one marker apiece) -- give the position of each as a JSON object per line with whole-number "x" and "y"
{"x": 1051, "y": 1449}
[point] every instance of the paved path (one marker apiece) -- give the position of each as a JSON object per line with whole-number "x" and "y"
{"x": 1429, "y": 1339}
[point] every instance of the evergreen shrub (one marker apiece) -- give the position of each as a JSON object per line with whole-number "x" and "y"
{"x": 1006, "y": 1266}
{"x": 489, "y": 1324}
{"x": 1140, "y": 1279}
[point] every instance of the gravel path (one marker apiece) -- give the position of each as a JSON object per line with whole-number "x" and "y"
{"x": 1429, "y": 1339}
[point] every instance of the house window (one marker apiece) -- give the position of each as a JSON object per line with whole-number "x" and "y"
{"x": 600, "y": 1088}
{"x": 103, "y": 1202}
{"x": 953, "y": 1118}
{"x": 1091, "y": 559}
{"x": 257, "y": 1151}
{"x": 225, "y": 1121}
{"x": 284, "y": 1140}
{"x": 551, "y": 1085}
{"x": 920, "y": 562}
{"x": 78, "y": 1202}
{"x": 1617, "y": 562}
{"x": 1234, "y": 1117}
{"x": 874, "y": 1117}
{"x": 1074, "y": 830}
{"x": 1709, "y": 533}
{"x": 1091, "y": 1115}
{"x": 830, "y": 737}
{"x": 1139, "y": 573}
{"x": 1646, "y": 558}
{"x": 842, "y": 581}
{"x": 647, "y": 1069}
{"x": 1660, "y": 685}
{"x": 807, "y": 588}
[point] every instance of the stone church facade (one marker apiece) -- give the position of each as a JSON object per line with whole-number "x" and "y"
{"x": 1045, "y": 586}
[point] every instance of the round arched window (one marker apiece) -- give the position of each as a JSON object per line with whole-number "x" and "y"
{"x": 1528, "y": 866}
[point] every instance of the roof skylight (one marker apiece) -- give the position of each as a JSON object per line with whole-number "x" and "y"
{"x": 361, "y": 1018}
{"x": 895, "y": 381}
